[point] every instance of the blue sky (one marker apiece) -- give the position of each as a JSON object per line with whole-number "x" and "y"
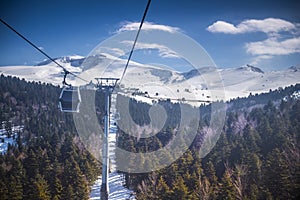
{"x": 234, "y": 33}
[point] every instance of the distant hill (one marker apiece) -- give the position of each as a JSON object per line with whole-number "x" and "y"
{"x": 201, "y": 83}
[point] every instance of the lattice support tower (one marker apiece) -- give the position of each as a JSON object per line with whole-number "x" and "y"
{"x": 106, "y": 85}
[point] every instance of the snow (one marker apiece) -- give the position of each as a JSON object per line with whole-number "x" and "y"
{"x": 3, "y": 136}
{"x": 295, "y": 95}
{"x": 205, "y": 83}
{"x": 158, "y": 83}
{"x": 117, "y": 190}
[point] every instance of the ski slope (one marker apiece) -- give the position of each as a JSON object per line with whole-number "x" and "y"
{"x": 117, "y": 190}
{"x": 162, "y": 83}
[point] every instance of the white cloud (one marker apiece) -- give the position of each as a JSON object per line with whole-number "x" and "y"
{"x": 222, "y": 27}
{"x": 164, "y": 51}
{"x": 272, "y": 46}
{"x": 113, "y": 51}
{"x": 131, "y": 26}
{"x": 258, "y": 59}
{"x": 269, "y": 26}
{"x": 282, "y": 36}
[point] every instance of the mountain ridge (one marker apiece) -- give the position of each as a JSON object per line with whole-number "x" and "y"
{"x": 193, "y": 84}
{"x": 251, "y": 68}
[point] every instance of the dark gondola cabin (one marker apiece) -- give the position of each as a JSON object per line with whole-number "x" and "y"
{"x": 69, "y": 99}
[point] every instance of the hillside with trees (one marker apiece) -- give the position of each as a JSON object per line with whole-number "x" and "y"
{"x": 48, "y": 160}
{"x": 256, "y": 157}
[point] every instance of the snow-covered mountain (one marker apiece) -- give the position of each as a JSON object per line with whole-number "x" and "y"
{"x": 74, "y": 61}
{"x": 45, "y": 71}
{"x": 203, "y": 83}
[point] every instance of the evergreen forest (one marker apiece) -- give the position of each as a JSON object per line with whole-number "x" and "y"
{"x": 256, "y": 157}
{"x": 48, "y": 161}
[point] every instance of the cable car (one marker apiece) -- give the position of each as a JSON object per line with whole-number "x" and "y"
{"x": 117, "y": 116}
{"x": 69, "y": 99}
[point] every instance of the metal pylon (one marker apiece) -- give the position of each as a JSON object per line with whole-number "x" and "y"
{"x": 107, "y": 86}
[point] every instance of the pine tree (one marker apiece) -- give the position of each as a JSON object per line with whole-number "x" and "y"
{"x": 203, "y": 190}
{"x": 45, "y": 166}
{"x": 15, "y": 188}
{"x": 3, "y": 190}
{"x": 179, "y": 190}
{"x": 31, "y": 164}
{"x": 251, "y": 138}
{"x": 163, "y": 190}
{"x": 279, "y": 178}
{"x": 57, "y": 189}
{"x": 254, "y": 165}
{"x": 146, "y": 190}
{"x": 227, "y": 190}
{"x": 210, "y": 174}
{"x": 73, "y": 176}
{"x": 16, "y": 178}
{"x": 68, "y": 193}
{"x": 42, "y": 190}
{"x": 253, "y": 192}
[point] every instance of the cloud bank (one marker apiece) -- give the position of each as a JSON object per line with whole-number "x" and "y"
{"x": 283, "y": 37}
{"x": 272, "y": 46}
{"x": 131, "y": 26}
{"x": 163, "y": 51}
{"x": 269, "y": 26}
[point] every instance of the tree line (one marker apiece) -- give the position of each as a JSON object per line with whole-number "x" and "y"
{"x": 256, "y": 156}
{"x": 48, "y": 160}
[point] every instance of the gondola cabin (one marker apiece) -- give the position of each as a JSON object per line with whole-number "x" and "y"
{"x": 117, "y": 116}
{"x": 69, "y": 99}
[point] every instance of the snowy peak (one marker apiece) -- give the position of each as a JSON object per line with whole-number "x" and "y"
{"x": 295, "y": 68}
{"x": 164, "y": 75}
{"x": 191, "y": 74}
{"x": 94, "y": 60}
{"x": 235, "y": 82}
{"x": 74, "y": 61}
{"x": 251, "y": 68}
{"x": 197, "y": 72}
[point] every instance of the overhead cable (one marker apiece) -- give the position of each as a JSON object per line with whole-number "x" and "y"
{"x": 41, "y": 51}
{"x": 136, "y": 38}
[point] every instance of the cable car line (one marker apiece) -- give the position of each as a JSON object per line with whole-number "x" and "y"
{"x": 65, "y": 70}
{"x": 70, "y": 97}
{"x": 136, "y": 38}
{"x": 45, "y": 54}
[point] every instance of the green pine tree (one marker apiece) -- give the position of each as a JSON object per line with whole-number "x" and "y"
{"x": 15, "y": 188}
{"x": 163, "y": 190}
{"x": 227, "y": 190}
{"x": 42, "y": 188}
{"x": 57, "y": 189}
{"x": 3, "y": 190}
{"x": 179, "y": 190}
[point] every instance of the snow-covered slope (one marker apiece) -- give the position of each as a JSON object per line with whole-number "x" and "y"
{"x": 74, "y": 61}
{"x": 243, "y": 81}
{"x": 46, "y": 71}
{"x": 162, "y": 83}
{"x": 117, "y": 190}
{"x": 5, "y": 140}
